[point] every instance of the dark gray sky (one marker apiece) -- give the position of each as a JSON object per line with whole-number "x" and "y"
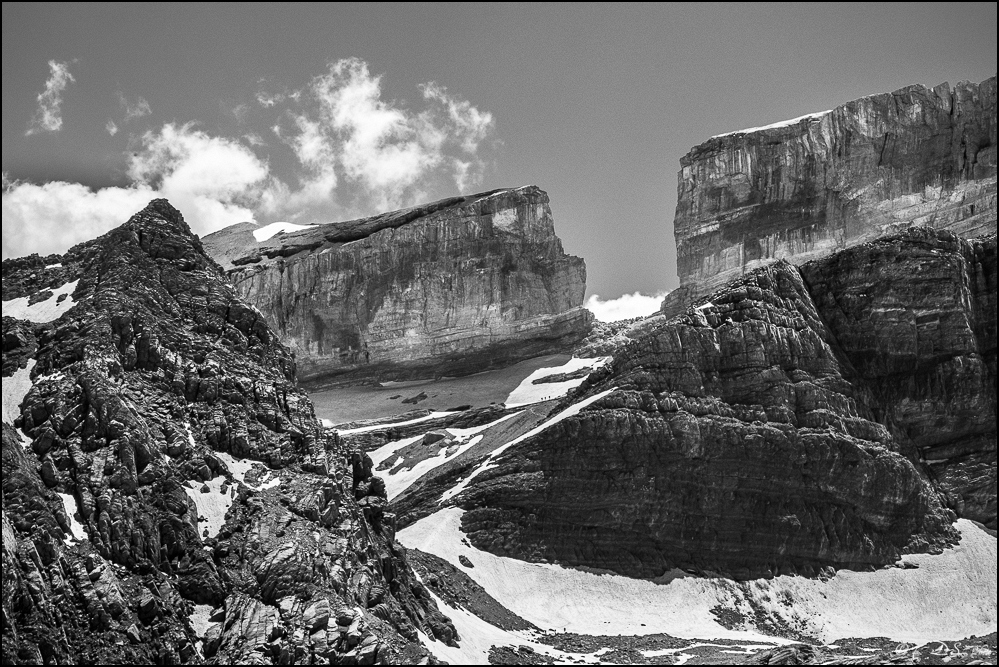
{"x": 595, "y": 104}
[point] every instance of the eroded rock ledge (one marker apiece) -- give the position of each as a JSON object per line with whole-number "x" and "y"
{"x": 836, "y": 415}
{"x": 448, "y": 288}
{"x": 168, "y": 493}
{"x": 802, "y": 190}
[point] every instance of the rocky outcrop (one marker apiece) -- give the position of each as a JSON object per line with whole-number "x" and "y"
{"x": 448, "y": 288}
{"x": 802, "y": 189}
{"x": 836, "y": 415}
{"x": 168, "y": 494}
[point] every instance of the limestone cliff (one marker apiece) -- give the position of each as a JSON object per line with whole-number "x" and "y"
{"x": 803, "y": 189}
{"x": 448, "y": 288}
{"x": 168, "y": 494}
{"x": 836, "y": 415}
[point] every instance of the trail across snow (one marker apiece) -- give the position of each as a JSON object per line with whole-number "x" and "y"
{"x": 376, "y": 427}
{"x": 43, "y": 311}
{"x": 950, "y": 596}
{"x": 396, "y": 483}
{"x": 485, "y": 465}
{"x": 528, "y": 392}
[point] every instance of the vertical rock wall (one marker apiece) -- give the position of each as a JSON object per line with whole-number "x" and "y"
{"x": 803, "y": 189}
{"x": 452, "y": 287}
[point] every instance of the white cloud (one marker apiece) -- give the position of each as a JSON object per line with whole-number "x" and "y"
{"x": 48, "y": 118}
{"x": 55, "y": 216}
{"x": 214, "y": 182}
{"x": 136, "y": 109}
{"x": 625, "y": 306}
{"x": 355, "y": 153}
{"x": 376, "y": 153}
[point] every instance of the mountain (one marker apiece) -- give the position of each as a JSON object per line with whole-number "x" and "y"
{"x": 168, "y": 493}
{"x": 800, "y": 467}
{"x": 805, "y": 188}
{"x": 448, "y": 288}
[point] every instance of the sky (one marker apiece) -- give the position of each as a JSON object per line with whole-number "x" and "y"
{"x": 324, "y": 112}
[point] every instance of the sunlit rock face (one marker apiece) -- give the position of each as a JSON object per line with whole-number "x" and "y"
{"x": 168, "y": 493}
{"x": 452, "y": 287}
{"x": 803, "y": 189}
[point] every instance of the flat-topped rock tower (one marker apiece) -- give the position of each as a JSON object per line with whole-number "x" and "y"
{"x": 805, "y": 188}
{"x": 448, "y": 288}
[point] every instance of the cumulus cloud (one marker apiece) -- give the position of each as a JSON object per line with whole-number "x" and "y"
{"x": 625, "y": 306}
{"x": 353, "y": 152}
{"x": 381, "y": 154}
{"x": 54, "y": 216}
{"x": 48, "y": 118}
{"x": 137, "y": 109}
{"x": 215, "y": 182}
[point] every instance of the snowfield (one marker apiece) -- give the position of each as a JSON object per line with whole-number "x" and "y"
{"x": 275, "y": 228}
{"x": 212, "y": 505}
{"x": 485, "y": 465}
{"x": 528, "y": 392}
{"x": 396, "y": 483}
{"x": 783, "y": 123}
{"x": 44, "y": 311}
{"x": 950, "y": 596}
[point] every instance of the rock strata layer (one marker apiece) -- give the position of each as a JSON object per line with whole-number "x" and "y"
{"x": 837, "y": 415}
{"x": 168, "y": 494}
{"x": 803, "y": 189}
{"x": 448, "y": 288}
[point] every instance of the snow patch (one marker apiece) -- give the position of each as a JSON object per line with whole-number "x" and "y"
{"x": 77, "y": 533}
{"x": 275, "y": 228}
{"x": 15, "y": 388}
{"x": 949, "y": 596}
{"x": 240, "y": 467}
{"x": 396, "y": 483}
{"x": 199, "y": 619}
{"x": 57, "y": 265}
{"x": 485, "y": 465}
{"x": 43, "y": 311}
{"x": 212, "y": 505}
{"x": 783, "y": 123}
{"x": 527, "y": 392}
{"x": 376, "y": 427}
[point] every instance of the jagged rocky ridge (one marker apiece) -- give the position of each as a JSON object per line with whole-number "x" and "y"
{"x": 448, "y": 288}
{"x": 803, "y": 189}
{"x": 151, "y": 396}
{"x": 835, "y": 415}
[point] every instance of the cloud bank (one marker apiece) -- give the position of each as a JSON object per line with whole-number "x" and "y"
{"x": 212, "y": 181}
{"x": 48, "y": 117}
{"x": 352, "y": 153}
{"x": 625, "y": 306}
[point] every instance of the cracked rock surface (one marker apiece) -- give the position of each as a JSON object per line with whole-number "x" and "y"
{"x": 168, "y": 494}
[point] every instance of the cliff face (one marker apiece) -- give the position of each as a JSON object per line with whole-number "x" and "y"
{"x": 168, "y": 494}
{"x": 834, "y": 415}
{"x": 448, "y": 288}
{"x": 803, "y": 189}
